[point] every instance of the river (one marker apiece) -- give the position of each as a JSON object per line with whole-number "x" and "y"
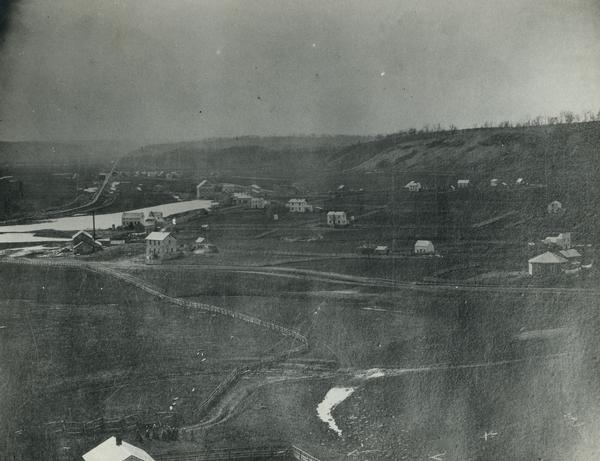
{"x": 103, "y": 221}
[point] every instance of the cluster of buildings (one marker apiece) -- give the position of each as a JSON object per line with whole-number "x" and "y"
{"x": 134, "y": 219}
{"x": 421, "y": 247}
{"x": 560, "y": 258}
{"x": 252, "y": 196}
{"x": 414, "y": 186}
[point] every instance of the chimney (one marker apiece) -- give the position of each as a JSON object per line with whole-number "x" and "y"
{"x": 119, "y": 440}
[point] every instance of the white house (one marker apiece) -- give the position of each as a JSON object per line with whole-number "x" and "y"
{"x": 520, "y": 182}
{"x": 424, "y": 247}
{"x": 160, "y": 245}
{"x": 337, "y": 218}
{"x": 413, "y": 186}
{"x": 258, "y": 202}
{"x": 298, "y": 205}
{"x": 132, "y": 218}
{"x": 463, "y": 183}
{"x": 115, "y": 449}
{"x": 494, "y": 182}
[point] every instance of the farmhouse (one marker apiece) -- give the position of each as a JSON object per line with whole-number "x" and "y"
{"x": 546, "y": 264}
{"x": 258, "y": 202}
{"x": 424, "y": 247}
{"x": 132, "y": 218}
{"x": 115, "y": 449}
{"x": 337, "y": 218}
{"x": 160, "y": 245}
{"x": 298, "y": 205}
{"x": 84, "y": 244}
{"x": 463, "y": 183}
{"x": 413, "y": 186}
{"x": 562, "y": 240}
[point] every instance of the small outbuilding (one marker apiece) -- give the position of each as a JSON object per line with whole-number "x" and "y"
{"x": 381, "y": 250}
{"x": 546, "y": 264}
{"x": 115, "y": 449}
{"x": 571, "y": 255}
{"x": 413, "y": 186}
{"x": 424, "y": 247}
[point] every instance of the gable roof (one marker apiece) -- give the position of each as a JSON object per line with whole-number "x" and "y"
{"x": 423, "y": 243}
{"x": 548, "y": 258}
{"x": 200, "y": 240}
{"x": 133, "y": 214}
{"x": 83, "y": 233}
{"x": 110, "y": 451}
{"x": 571, "y": 253}
{"x": 158, "y": 236}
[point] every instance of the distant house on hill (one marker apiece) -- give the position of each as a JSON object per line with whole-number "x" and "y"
{"x": 132, "y": 218}
{"x": 337, "y": 218}
{"x": 381, "y": 250}
{"x": 562, "y": 240}
{"x": 424, "y": 247}
{"x": 160, "y": 245}
{"x": 84, "y": 244}
{"x": 554, "y": 207}
{"x": 115, "y": 449}
{"x": 520, "y": 182}
{"x": 546, "y": 264}
{"x": 463, "y": 183}
{"x": 298, "y": 205}
{"x": 413, "y": 186}
{"x": 493, "y": 182}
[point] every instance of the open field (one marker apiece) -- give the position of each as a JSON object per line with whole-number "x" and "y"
{"x": 78, "y": 347}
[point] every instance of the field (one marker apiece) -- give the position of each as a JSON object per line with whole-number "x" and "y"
{"x": 78, "y": 347}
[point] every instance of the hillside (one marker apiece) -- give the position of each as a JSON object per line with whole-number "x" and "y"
{"x": 286, "y": 156}
{"x": 566, "y": 154}
{"x": 60, "y": 154}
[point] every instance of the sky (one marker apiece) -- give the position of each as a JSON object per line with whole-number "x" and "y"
{"x": 156, "y": 70}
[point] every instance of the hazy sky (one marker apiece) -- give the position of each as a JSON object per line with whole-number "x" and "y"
{"x": 152, "y": 70}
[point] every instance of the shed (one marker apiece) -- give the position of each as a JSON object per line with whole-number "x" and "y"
{"x": 381, "y": 250}
{"x": 546, "y": 264}
{"x": 424, "y": 247}
{"x": 115, "y": 449}
{"x": 572, "y": 255}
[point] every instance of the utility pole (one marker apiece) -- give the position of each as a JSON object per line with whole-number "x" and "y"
{"x": 94, "y": 225}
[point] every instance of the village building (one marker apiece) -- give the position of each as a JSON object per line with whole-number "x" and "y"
{"x": 150, "y": 224}
{"x": 337, "y": 218}
{"x": 494, "y": 182}
{"x": 424, "y": 247}
{"x": 116, "y": 449}
{"x": 554, "y": 207}
{"x": 160, "y": 245}
{"x": 463, "y": 183}
{"x": 413, "y": 186}
{"x": 562, "y": 240}
{"x": 240, "y": 198}
{"x": 298, "y": 205}
{"x": 546, "y": 264}
{"x": 84, "y": 244}
{"x": 132, "y": 218}
{"x": 258, "y": 202}
{"x": 520, "y": 182}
